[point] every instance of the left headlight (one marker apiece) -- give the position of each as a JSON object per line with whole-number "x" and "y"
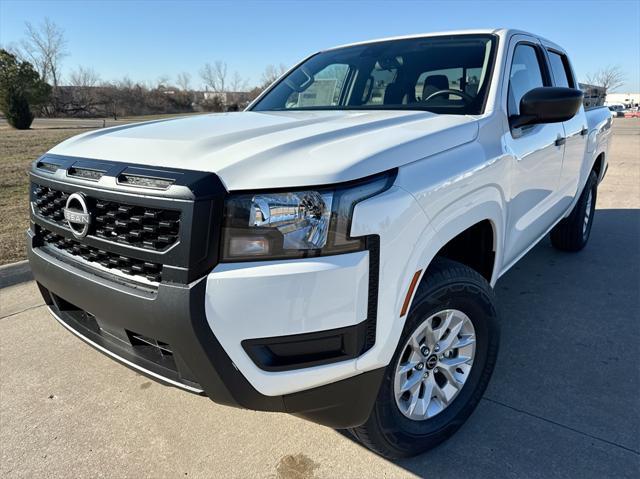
{"x": 295, "y": 224}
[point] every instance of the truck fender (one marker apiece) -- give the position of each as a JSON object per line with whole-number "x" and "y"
{"x": 409, "y": 242}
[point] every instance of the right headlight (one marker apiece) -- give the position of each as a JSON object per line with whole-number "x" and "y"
{"x": 295, "y": 224}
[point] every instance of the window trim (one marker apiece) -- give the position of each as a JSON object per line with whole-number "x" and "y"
{"x": 566, "y": 64}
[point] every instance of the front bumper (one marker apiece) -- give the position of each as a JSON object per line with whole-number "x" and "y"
{"x": 165, "y": 334}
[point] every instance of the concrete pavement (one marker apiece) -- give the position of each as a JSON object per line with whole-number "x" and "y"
{"x": 563, "y": 401}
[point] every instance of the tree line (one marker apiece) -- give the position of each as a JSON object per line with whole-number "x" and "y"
{"x": 31, "y": 84}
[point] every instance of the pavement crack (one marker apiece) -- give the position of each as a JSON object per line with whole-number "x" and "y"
{"x": 564, "y": 426}
{"x": 22, "y": 311}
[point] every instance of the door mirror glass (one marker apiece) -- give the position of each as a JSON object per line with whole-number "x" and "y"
{"x": 547, "y": 105}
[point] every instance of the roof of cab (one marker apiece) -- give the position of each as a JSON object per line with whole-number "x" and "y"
{"x": 501, "y": 32}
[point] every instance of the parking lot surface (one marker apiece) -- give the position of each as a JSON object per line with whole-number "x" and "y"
{"x": 563, "y": 401}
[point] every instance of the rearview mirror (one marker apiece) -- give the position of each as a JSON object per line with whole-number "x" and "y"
{"x": 548, "y": 104}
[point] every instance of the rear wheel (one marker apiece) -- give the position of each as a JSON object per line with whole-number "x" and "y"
{"x": 442, "y": 366}
{"x": 572, "y": 233}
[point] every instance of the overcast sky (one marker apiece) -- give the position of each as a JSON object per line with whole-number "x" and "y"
{"x": 145, "y": 40}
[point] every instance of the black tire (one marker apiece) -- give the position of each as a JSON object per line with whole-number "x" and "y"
{"x": 570, "y": 234}
{"x": 448, "y": 285}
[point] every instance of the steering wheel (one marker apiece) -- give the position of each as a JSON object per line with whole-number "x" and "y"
{"x": 466, "y": 97}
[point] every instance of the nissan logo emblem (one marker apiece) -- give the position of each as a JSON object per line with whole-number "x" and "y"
{"x": 77, "y": 215}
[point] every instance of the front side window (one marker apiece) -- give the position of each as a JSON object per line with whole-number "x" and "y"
{"x": 526, "y": 74}
{"x": 439, "y": 74}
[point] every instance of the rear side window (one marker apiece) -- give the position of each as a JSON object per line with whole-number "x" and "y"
{"x": 560, "y": 68}
{"x": 526, "y": 74}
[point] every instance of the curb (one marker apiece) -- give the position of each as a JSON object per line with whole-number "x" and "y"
{"x": 15, "y": 273}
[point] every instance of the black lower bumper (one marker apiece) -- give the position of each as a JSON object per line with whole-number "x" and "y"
{"x": 164, "y": 334}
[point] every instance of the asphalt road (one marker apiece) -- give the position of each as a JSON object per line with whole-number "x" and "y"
{"x": 563, "y": 402}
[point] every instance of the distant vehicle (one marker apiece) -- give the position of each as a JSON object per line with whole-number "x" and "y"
{"x": 331, "y": 251}
{"x": 617, "y": 109}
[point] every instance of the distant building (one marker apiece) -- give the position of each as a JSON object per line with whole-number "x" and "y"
{"x": 630, "y": 100}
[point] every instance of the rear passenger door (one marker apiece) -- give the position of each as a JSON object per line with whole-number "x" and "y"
{"x": 537, "y": 152}
{"x": 575, "y": 129}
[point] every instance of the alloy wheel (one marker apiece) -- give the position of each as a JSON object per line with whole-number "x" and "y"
{"x": 435, "y": 364}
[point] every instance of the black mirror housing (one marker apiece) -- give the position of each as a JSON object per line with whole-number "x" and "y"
{"x": 548, "y": 104}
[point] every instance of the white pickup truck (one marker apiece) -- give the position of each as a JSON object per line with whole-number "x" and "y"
{"x": 330, "y": 252}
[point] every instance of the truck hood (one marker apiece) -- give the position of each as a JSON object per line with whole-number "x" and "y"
{"x": 251, "y": 150}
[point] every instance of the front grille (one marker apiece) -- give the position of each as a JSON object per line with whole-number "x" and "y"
{"x": 155, "y": 222}
{"x": 140, "y": 226}
{"x": 50, "y": 203}
{"x": 137, "y": 225}
{"x": 124, "y": 264}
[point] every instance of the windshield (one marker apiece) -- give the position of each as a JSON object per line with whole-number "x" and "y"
{"x": 448, "y": 74}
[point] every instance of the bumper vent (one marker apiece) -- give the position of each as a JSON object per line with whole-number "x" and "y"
{"x": 85, "y": 173}
{"x": 124, "y": 264}
{"x": 145, "y": 182}
{"x": 50, "y": 167}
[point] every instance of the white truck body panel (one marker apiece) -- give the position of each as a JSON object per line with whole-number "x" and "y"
{"x": 454, "y": 171}
{"x": 279, "y": 149}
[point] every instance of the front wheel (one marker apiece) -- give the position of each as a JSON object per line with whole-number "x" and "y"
{"x": 572, "y": 233}
{"x": 441, "y": 367}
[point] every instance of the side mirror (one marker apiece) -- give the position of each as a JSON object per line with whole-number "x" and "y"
{"x": 548, "y": 104}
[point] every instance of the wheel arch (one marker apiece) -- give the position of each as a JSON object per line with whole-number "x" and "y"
{"x": 598, "y": 165}
{"x": 411, "y": 242}
{"x": 479, "y": 216}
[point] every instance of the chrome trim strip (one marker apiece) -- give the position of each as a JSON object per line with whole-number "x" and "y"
{"x": 124, "y": 361}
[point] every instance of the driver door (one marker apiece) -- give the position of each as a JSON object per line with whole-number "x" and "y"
{"x": 537, "y": 153}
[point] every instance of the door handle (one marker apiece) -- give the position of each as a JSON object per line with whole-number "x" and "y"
{"x": 584, "y": 132}
{"x": 561, "y": 141}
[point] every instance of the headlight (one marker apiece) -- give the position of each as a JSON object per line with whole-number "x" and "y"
{"x": 295, "y": 224}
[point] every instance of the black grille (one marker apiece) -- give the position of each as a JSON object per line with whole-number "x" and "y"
{"x": 169, "y": 217}
{"x": 50, "y": 203}
{"x": 150, "y": 228}
{"x": 124, "y": 264}
{"x": 137, "y": 225}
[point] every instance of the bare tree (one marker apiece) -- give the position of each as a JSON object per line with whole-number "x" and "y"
{"x": 161, "y": 82}
{"x": 215, "y": 76}
{"x": 84, "y": 77}
{"x": 45, "y": 47}
{"x": 272, "y": 73}
{"x": 84, "y": 97}
{"x": 609, "y": 78}
{"x": 125, "y": 83}
{"x": 183, "y": 81}
{"x": 238, "y": 83}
